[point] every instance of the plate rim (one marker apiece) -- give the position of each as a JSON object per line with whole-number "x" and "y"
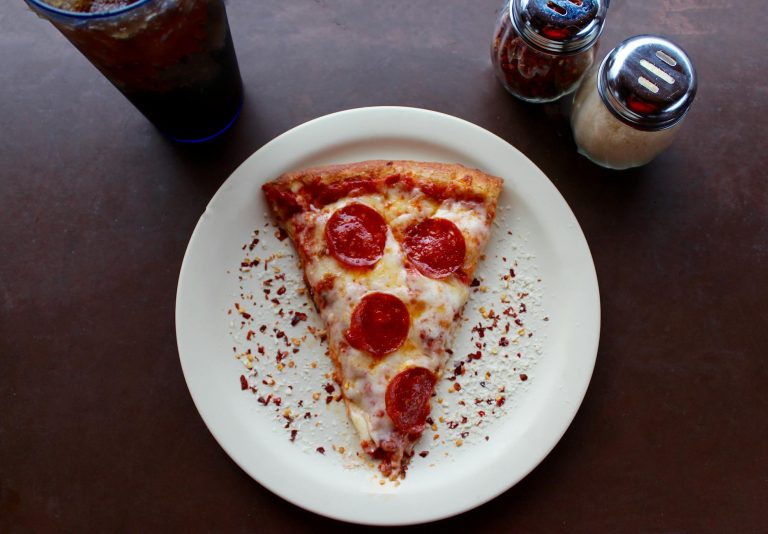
{"x": 577, "y": 396}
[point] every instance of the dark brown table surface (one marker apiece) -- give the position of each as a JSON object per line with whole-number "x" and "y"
{"x": 97, "y": 429}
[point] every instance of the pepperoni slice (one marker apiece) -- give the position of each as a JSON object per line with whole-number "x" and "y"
{"x": 407, "y": 399}
{"x": 379, "y": 324}
{"x": 356, "y": 235}
{"x": 436, "y": 247}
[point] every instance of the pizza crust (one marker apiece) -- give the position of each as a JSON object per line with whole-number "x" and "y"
{"x": 454, "y": 179}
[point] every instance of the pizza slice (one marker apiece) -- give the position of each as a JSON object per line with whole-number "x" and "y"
{"x": 388, "y": 250}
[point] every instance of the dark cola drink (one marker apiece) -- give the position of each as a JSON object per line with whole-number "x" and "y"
{"x": 173, "y": 59}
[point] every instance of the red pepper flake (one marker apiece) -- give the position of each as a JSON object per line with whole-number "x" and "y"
{"x": 321, "y": 450}
{"x": 503, "y": 342}
{"x": 430, "y": 421}
{"x": 475, "y": 283}
{"x": 280, "y": 334}
{"x": 459, "y": 370}
{"x": 523, "y": 377}
{"x": 512, "y": 273}
{"x": 249, "y": 335}
{"x": 480, "y": 329}
{"x": 264, "y": 401}
{"x": 281, "y": 234}
{"x": 263, "y": 328}
{"x": 298, "y": 317}
{"x": 277, "y": 401}
{"x": 424, "y": 454}
{"x": 281, "y": 290}
{"x": 523, "y": 309}
{"x": 453, "y": 425}
{"x": 253, "y": 243}
{"x": 464, "y": 434}
{"x": 481, "y": 413}
{"x": 457, "y": 386}
{"x": 329, "y": 399}
{"x": 518, "y": 322}
{"x": 500, "y": 401}
{"x": 243, "y": 383}
{"x": 293, "y": 434}
{"x": 329, "y": 388}
{"x": 307, "y": 415}
{"x": 475, "y": 355}
{"x": 276, "y": 302}
{"x": 242, "y": 312}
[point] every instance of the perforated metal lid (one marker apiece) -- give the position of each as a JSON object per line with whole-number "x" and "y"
{"x": 647, "y": 82}
{"x": 559, "y": 26}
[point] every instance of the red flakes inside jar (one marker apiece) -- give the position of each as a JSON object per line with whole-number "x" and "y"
{"x": 530, "y": 74}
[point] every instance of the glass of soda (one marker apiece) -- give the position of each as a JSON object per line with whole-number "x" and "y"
{"x": 173, "y": 59}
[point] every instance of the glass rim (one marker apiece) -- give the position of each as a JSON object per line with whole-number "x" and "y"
{"x": 41, "y": 4}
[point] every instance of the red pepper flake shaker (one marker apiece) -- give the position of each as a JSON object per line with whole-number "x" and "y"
{"x": 542, "y": 48}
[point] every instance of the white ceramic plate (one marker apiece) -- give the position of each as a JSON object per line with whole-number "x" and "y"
{"x": 449, "y": 483}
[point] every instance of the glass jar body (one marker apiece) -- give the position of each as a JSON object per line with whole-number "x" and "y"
{"x": 530, "y": 74}
{"x": 608, "y": 141}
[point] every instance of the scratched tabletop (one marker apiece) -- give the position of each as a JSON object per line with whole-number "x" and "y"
{"x": 98, "y": 432}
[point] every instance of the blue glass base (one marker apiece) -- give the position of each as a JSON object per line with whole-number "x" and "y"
{"x": 208, "y": 138}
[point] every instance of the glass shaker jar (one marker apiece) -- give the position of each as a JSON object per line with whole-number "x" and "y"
{"x": 542, "y": 48}
{"x": 629, "y": 110}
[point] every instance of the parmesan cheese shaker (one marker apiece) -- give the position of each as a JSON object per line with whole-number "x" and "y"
{"x": 629, "y": 110}
{"x": 541, "y": 49}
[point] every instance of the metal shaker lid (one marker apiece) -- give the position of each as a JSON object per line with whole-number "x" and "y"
{"x": 559, "y": 26}
{"x": 647, "y": 82}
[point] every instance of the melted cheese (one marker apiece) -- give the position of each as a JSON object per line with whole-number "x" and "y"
{"x": 434, "y": 305}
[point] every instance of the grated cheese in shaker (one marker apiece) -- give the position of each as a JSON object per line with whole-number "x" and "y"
{"x": 629, "y": 110}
